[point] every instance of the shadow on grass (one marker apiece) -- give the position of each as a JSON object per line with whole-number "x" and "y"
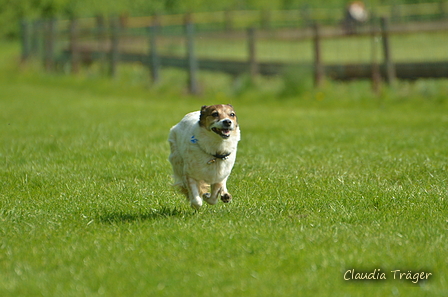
{"x": 150, "y": 214}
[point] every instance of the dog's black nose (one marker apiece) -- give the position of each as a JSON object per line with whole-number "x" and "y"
{"x": 227, "y": 123}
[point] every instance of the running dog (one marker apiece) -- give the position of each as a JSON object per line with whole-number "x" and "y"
{"x": 203, "y": 151}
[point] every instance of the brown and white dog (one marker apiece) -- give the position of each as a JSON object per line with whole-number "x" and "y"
{"x": 203, "y": 151}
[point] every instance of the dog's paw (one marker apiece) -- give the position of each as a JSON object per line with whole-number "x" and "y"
{"x": 226, "y": 198}
{"x": 208, "y": 198}
{"x": 196, "y": 203}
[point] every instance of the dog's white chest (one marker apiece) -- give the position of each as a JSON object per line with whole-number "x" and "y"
{"x": 206, "y": 166}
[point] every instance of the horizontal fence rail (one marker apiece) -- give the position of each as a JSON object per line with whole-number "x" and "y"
{"x": 337, "y": 72}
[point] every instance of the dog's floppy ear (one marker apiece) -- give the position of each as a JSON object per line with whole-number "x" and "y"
{"x": 202, "y": 115}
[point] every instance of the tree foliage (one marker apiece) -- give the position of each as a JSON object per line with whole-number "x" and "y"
{"x": 11, "y": 11}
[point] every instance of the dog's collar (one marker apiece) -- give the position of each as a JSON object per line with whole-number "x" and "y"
{"x": 194, "y": 140}
{"x": 222, "y": 157}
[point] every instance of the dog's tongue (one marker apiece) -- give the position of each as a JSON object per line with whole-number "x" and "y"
{"x": 222, "y": 132}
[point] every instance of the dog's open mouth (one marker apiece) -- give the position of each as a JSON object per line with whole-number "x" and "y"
{"x": 224, "y": 133}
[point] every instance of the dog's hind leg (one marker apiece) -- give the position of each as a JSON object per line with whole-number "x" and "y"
{"x": 194, "y": 194}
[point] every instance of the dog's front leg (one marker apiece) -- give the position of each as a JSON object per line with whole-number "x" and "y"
{"x": 225, "y": 195}
{"x": 193, "y": 193}
{"x": 219, "y": 189}
{"x": 212, "y": 198}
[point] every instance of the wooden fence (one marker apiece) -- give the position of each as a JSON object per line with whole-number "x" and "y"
{"x": 77, "y": 42}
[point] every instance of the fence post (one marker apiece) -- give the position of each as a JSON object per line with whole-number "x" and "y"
{"x": 389, "y": 65}
{"x": 253, "y": 65}
{"x": 36, "y": 37}
{"x": 191, "y": 58}
{"x": 154, "y": 61}
{"x": 74, "y": 48}
{"x": 102, "y": 42}
{"x": 50, "y": 36}
{"x": 376, "y": 72}
{"x": 319, "y": 71}
{"x": 26, "y": 43}
{"x": 114, "y": 51}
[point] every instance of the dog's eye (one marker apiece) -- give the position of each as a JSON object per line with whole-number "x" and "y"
{"x": 232, "y": 114}
{"x": 215, "y": 114}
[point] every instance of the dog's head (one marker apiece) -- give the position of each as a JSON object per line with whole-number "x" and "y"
{"x": 220, "y": 119}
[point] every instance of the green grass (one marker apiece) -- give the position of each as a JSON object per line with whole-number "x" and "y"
{"x": 327, "y": 181}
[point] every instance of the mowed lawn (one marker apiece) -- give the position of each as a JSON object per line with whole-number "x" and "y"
{"x": 320, "y": 187}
